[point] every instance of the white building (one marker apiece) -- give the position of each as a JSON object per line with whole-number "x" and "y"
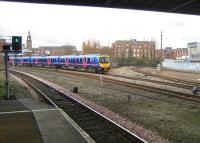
{"x": 194, "y": 49}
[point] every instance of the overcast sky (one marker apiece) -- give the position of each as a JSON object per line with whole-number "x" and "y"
{"x": 60, "y": 25}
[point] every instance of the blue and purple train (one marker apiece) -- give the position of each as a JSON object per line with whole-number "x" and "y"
{"x": 89, "y": 62}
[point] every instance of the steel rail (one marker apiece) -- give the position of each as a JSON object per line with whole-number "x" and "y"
{"x": 185, "y": 86}
{"x": 167, "y": 77}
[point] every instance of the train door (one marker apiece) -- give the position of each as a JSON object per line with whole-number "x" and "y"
{"x": 76, "y": 63}
{"x": 30, "y": 61}
{"x": 22, "y": 61}
{"x": 84, "y": 62}
{"x": 36, "y": 61}
{"x": 67, "y": 61}
{"x": 48, "y": 61}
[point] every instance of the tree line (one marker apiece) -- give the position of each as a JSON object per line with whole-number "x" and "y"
{"x": 94, "y": 47}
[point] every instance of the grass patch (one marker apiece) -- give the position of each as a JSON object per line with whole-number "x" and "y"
{"x": 2, "y": 86}
{"x": 176, "y": 122}
{"x": 15, "y": 87}
{"x": 19, "y": 90}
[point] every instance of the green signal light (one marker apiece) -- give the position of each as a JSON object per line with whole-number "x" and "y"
{"x": 16, "y": 43}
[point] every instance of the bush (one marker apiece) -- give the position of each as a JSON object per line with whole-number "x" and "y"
{"x": 137, "y": 62}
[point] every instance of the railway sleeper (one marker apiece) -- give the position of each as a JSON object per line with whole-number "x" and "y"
{"x": 75, "y": 112}
{"x": 61, "y": 102}
{"x": 67, "y": 105}
{"x": 103, "y": 135}
{"x": 96, "y": 131}
{"x": 57, "y": 99}
{"x": 111, "y": 139}
{"x": 81, "y": 115}
{"x": 97, "y": 127}
{"x": 86, "y": 118}
{"x": 93, "y": 125}
{"x": 70, "y": 106}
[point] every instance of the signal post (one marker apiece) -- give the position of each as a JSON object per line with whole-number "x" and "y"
{"x": 13, "y": 44}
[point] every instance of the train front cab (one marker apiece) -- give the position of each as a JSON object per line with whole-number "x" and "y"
{"x": 104, "y": 63}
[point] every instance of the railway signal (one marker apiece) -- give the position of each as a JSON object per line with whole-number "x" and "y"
{"x": 17, "y": 43}
{"x": 12, "y": 44}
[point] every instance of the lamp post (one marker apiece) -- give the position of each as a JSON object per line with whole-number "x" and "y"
{"x": 161, "y": 50}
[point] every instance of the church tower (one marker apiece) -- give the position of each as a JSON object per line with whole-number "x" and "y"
{"x": 29, "y": 42}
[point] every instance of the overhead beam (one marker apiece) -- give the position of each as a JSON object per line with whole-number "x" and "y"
{"x": 182, "y": 5}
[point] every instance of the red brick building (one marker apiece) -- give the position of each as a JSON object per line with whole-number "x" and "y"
{"x": 133, "y": 48}
{"x": 55, "y": 50}
{"x": 169, "y": 53}
{"x": 2, "y": 42}
{"x": 180, "y": 52}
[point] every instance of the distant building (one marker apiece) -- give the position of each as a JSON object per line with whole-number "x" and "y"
{"x": 193, "y": 49}
{"x": 168, "y": 53}
{"x": 133, "y": 48}
{"x": 55, "y": 50}
{"x": 180, "y": 53}
{"x": 29, "y": 42}
{"x": 2, "y": 42}
{"x": 158, "y": 53}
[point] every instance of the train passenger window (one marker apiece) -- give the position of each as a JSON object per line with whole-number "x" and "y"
{"x": 88, "y": 60}
{"x": 81, "y": 60}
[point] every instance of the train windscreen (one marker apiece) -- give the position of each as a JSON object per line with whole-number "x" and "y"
{"x": 104, "y": 59}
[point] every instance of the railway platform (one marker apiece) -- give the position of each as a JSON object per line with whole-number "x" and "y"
{"x": 54, "y": 125}
{"x": 51, "y": 125}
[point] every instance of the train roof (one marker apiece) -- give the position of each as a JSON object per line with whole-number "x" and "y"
{"x": 63, "y": 56}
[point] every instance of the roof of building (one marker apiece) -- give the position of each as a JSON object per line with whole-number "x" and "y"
{"x": 65, "y": 47}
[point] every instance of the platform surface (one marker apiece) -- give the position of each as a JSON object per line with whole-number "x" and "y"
{"x": 54, "y": 127}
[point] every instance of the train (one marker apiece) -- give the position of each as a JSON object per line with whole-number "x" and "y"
{"x": 89, "y": 62}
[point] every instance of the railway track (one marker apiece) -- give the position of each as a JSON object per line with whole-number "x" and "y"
{"x": 188, "y": 86}
{"x": 100, "y": 128}
{"x": 180, "y": 81}
{"x": 179, "y": 85}
{"x": 110, "y": 79}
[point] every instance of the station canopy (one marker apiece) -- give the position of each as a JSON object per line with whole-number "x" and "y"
{"x": 172, "y": 6}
